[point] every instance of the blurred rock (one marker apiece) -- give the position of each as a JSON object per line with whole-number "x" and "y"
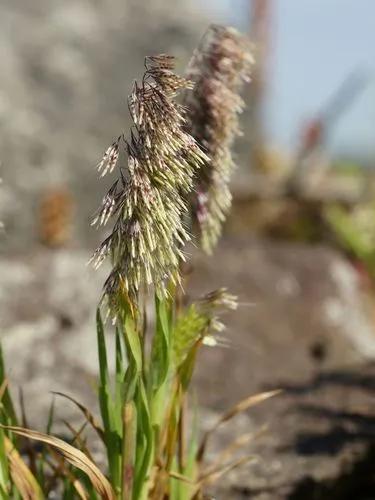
{"x": 47, "y": 319}
{"x": 303, "y": 325}
{"x": 67, "y": 68}
{"x": 302, "y": 309}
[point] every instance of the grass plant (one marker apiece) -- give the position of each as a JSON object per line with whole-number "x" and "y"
{"x": 151, "y": 443}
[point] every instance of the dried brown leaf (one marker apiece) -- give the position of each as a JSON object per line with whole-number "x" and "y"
{"x": 235, "y": 410}
{"x": 214, "y": 475}
{"x": 74, "y": 456}
{"x": 22, "y": 477}
{"x": 88, "y": 415}
{"x": 229, "y": 451}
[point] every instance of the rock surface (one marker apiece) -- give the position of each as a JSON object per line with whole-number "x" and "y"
{"x": 302, "y": 326}
{"x": 67, "y": 68}
{"x": 309, "y": 330}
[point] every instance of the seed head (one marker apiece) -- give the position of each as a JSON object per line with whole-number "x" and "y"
{"x": 219, "y": 67}
{"x": 148, "y": 200}
{"x": 213, "y": 305}
{"x": 219, "y": 300}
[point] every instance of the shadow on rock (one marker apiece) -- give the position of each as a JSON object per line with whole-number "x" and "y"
{"x": 358, "y": 483}
{"x": 363, "y": 379}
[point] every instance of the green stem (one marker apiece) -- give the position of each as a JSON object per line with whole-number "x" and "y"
{"x": 129, "y": 449}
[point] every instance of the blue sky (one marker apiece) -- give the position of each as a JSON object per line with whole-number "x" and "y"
{"x": 316, "y": 44}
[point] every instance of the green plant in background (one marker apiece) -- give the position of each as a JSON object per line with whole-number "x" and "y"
{"x": 151, "y": 443}
{"x": 355, "y": 231}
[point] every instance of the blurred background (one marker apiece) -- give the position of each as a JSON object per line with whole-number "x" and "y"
{"x": 298, "y": 248}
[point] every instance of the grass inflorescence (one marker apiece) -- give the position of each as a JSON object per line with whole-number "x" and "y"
{"x": 219, "y": 68}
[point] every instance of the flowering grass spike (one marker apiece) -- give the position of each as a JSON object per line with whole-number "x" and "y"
{"x": 149, "y": 199}
{"x": 219, "y": 68}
